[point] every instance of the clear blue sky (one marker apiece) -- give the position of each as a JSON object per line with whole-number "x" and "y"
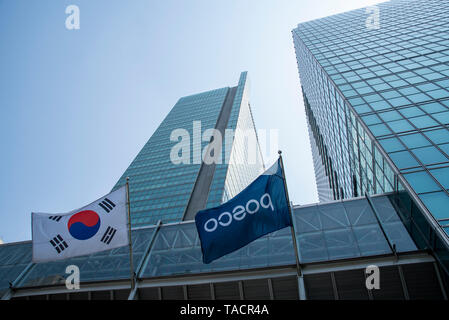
{"x": 77, "y": 106}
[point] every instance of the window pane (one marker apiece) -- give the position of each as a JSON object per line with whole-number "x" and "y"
{"x": 391, "y": 145}
{"x": 442, "y": 175}
{"x": 432, "y": 107}
{"x": 429, "y": 155}
{"x": 423, "y": 122}
{"x": 443, "y": 117}
{"x": 438, "y": 136}
{"x": 437, "y": 203}
{"x": 390, "y": 116}
{"x": 415, "y": 140}
{"x": 411, "y": 112}
{"x": 379, "y": 129}
{"x": 403, "y": 160}
{"x": 421, "y": 182}
{"x": 400, "y": 126}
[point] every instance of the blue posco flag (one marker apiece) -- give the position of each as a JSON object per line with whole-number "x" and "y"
{"x": 259, "y": 209}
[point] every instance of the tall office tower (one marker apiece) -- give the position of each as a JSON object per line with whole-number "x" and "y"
{"x": 375, "y": 88}
{"x": 163, "y": 190}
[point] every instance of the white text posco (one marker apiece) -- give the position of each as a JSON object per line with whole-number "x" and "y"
{"x": 239, "y": 213}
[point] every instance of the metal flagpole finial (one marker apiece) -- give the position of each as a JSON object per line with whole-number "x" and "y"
{"x": 280, "y": 152}
{"x": 127, "y": 179}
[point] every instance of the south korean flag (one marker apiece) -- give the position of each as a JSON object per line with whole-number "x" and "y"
{"x": 99, "y": 226}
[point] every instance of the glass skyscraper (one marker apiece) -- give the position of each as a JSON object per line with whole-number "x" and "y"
{"x": 162, "y": 190}
{"x": 377, "y": 103}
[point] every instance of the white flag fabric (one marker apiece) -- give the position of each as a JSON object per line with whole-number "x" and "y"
{"x": 99, "y": 226}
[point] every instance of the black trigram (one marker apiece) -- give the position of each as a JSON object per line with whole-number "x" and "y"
{"x": 108, "y": 235}
{"x": 107, "y": 205}
{"x": 55, "y": 218}
{"x": 59, "y": 244}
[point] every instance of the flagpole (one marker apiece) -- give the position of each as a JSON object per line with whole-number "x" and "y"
{"x": 131, "y": 266}
{"x": 298, "y": 265}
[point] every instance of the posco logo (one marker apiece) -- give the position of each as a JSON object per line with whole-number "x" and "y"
{"x": 239, "y": 213}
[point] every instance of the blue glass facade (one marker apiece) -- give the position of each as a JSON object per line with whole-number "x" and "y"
{"x": 238, "y": 169}
{"x": 377, "y": 101}
{"x": 160, "y": 189}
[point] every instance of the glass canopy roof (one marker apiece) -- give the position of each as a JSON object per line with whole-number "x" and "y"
{"x": 325, "y": 232}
